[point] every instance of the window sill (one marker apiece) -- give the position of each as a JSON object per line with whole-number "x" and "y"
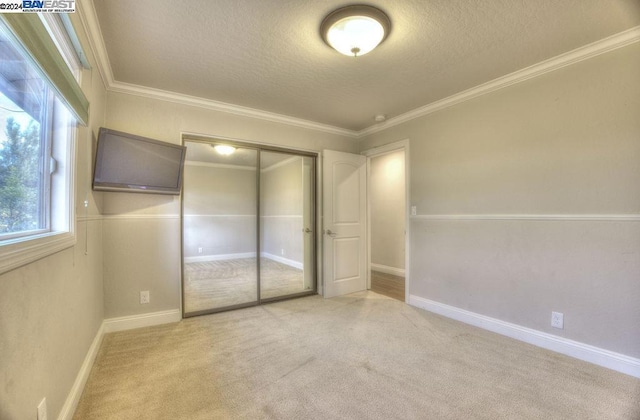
{"x": 17, "y": 253}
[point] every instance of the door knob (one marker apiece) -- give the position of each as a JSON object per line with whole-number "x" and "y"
{"x": 307, "y": 230}
{"x": 328, "y": 232}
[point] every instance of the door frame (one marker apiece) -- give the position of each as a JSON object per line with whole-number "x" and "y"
{"x": 379, "y": 151}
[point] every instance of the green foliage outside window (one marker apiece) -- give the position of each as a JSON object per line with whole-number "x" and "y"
{"x": 20, "y": 177}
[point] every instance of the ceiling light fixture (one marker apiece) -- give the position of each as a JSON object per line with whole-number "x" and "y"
{"x": 355, "y": 30}
{"x": 223, "y": 149}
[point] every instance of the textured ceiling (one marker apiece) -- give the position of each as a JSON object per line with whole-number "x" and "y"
{"x": 268, "y": 54}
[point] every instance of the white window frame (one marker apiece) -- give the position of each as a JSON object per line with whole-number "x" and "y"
{"x": 61, "y": 233}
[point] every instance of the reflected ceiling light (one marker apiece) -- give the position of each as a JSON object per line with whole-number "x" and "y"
{"x": 355, "y": 30}
{"x": 224, "y": 149}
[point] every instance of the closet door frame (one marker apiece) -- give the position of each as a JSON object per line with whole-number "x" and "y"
{"x": 314, "y": 198}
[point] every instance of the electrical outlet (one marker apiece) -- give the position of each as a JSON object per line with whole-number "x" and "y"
{"x": 282, "y": 251}
{"x": 557, "y": 320}
{"x": 414, "y": 210}
{"x": 42, "y": 409}
{"x": 144, "y": 297}
{"x": 200, "y": 250}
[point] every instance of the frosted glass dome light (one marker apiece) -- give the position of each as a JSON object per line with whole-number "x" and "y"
{"x": 355, "y": 30}
{"x": 224, "y": 150}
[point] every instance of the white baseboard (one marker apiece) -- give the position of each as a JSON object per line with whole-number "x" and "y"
{"x": 110, "y": 325}
{"x": 142, "y": 320}
{"x": 285, "y": 261}
{"x": 601, "y": 357}
{"x": 219, "y": 257}
{"x": 69, "y": 407}
{"x": 394, "y": 271}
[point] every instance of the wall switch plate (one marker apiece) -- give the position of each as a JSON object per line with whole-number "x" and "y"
{"x": 144, "y": 297}
{"x": 557, "y": 320}
{"x": 42, "y": 409}
{"x": 414, "y": 210}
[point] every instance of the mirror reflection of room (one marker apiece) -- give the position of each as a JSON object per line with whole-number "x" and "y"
{"x": 282, "y": 225}
{"x": 220, "y": 227}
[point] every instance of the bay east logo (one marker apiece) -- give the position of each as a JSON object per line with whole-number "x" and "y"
{"x": 52, "y": 6}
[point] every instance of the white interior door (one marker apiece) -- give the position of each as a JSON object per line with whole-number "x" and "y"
{"x": 344, "y": 223}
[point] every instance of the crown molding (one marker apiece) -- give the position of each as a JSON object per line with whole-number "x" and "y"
{"x": 281, "y": 163}
{"x": 579, "y": 54}
{"x": 92, "y": 27}
{"x": 178, "y": 98}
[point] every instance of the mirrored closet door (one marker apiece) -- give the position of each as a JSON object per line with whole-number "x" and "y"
{"x": 248, "y": 235}
{"x": 219, "y": 237}
{"x": 286, "y": 225}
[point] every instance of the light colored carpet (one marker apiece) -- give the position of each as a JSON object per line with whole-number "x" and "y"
{"x": 216, "y": 284}
{"x": 362, "y": 356}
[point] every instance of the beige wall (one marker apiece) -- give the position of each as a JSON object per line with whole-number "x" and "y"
{"x": 281, "y": 194}
{"x": 566, "y": 143}
{"x": 150, "y": 223}
{"x": 219, "y": 211}
{"x": 387, "y": 207}
{"x": 51, "y": 309}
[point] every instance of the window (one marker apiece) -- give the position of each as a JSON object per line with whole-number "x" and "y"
{"x": 24, "y": 148}
{"x": 37, "y": 147}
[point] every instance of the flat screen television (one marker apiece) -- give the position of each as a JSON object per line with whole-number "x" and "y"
{"x": 129, "y": 163}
